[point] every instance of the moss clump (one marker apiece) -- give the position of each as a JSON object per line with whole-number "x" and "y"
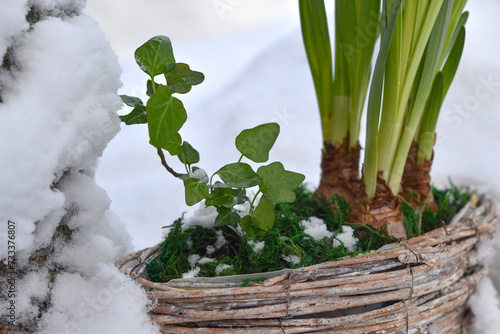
{"x": 448, "y": 201}
{"x": 286, "y": 239}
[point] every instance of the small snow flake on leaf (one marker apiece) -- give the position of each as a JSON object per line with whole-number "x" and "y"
{"x": 278, "y": 184}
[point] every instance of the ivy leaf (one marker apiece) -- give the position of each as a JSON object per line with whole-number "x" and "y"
{"x": 131, "y": 101}
{"x": 195, "y": 191}
{"x": 189, "y": 155}
{"x": 136, "y": 116}
{"x": 246, "y": 225}
{"x": 155, "y": 56}
{"x": 174, "y": 145}
{"x": 221, "y": 196}
{"x": 239, "y": 175}
{"x": 263, "y": 217}
{"x": 256, "y": 143}
{"x": 149, "y": 88}
{"x": 240, "y": 195}
{"x": 166, "y": 115}
{"x": 278, "y": 184}
{"x": 180, "y": 79}
{"x": 226, "y": 216}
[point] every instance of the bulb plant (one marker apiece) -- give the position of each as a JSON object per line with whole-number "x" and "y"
{"x": 421, "y": 43}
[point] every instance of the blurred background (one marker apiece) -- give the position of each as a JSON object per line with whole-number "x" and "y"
{"x": 256, "y": 71}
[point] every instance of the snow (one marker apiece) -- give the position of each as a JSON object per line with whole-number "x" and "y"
{"x": 59, "y": 104}
{"x": 316, "y": 228}
{"x": 486, "y": 308}
{"x": 292, "y": 259}
{"x": 107, "y": 302}
{"x": 192, "y": 273}
{"x": 221, "y": 267}
{"x": 193, "y": 259}
{"x": 257, "y": 246}
{"x": 13, "y": 22}
{"x": 203, "y": 216}
{"x": 347, "y": 238}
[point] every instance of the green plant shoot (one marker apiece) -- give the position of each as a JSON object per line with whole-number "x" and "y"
{"x": 165, "y": 115}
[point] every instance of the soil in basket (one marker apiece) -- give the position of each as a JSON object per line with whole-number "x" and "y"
{"x": 208, "y": 252}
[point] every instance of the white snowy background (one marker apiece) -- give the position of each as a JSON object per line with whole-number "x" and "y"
{"x": 256, "y": 71}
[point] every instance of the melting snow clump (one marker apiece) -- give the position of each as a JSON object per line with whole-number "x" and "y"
{"x": 348, "y": 239}
{"x": 221, "y": 267}
{"x": 192, "y": 273}
{"x": 316, "y": 228}
{"x": 293, "y": 259}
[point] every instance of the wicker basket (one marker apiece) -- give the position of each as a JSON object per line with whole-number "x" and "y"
{"x": 419, "y": 286}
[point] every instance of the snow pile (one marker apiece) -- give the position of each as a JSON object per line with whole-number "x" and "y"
{"x": 203, "y": 216}
{"x": 58, "y": 103}
{"x": 485, "y": 306}
{"x": 221, "y": 267}
{"x": 316, "y": 228}
{"x": 257, "y": 246}
{"x": 292, "y": 259}
{"x": 192, "y": 273}
{"x": 347, "y": 239}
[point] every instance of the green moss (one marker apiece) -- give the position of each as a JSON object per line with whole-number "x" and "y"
{"x": 287, "y": 237}
{"x": 448, "y": 201}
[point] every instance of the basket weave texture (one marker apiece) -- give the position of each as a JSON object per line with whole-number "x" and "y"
{"x": 419, "y": 286}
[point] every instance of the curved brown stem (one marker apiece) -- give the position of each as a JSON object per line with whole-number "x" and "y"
{"x": 164, "y": 163}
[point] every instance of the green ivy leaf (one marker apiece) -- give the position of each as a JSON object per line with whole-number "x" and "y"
{"x": 246, "y": 225}
{"x": 174, "y": 145}
{"x": 256, "y": 143}
{"x": 189, "y": 155}
{"x": 166, "y": 115}
{"x": 221, "y": 196}
{"x": 131, "y": 101}
{"x": 195, "y": 191}
{"x": 155, "y": 56}
{"x": 180, "y": 79}
{"x": 226, "y": 216}
{"x": 263, "y": 217}
{"x": 136, "y": 116}
{"x": 239, "y": 175}
{"x": 278, "y": 184}
{"x": 240, "y": 195}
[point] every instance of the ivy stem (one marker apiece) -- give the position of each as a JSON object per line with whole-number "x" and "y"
{"x": 253, "y": 200}
{"x": 164, "y": 163}
{"x": 239, "y": 160}
{"x": 153, "y": 84}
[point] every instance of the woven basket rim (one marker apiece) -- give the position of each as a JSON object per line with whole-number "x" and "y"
{"x": 424, "y": 281}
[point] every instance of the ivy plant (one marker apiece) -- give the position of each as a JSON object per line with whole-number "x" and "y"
{"x": 165, "y": 115}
